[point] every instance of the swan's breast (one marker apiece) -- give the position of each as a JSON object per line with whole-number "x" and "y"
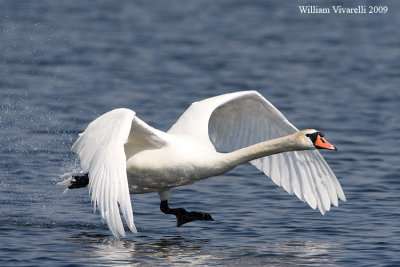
{"x": 174, "y": 165}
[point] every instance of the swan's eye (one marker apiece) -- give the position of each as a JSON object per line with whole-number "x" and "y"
{"x": 313, "y": 136}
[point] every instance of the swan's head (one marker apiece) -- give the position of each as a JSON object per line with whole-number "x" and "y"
{"x": 316, "y": 139}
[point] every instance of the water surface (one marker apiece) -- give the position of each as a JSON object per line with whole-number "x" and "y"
{"x": 65, "y": 63}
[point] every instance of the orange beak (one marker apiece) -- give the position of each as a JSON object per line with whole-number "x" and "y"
{"x": 322, "y": 143}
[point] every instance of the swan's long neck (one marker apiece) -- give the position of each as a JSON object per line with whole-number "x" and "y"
{"x": 267, "y": 148}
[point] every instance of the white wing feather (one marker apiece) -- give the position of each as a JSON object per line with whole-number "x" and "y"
{"x": 101, "y": 151}
{"x": 236, "y": 120}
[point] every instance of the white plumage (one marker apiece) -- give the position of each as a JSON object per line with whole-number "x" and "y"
{"x": 123, "y": 155}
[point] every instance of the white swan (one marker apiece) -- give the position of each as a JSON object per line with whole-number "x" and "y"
{"x": 122, "y": 155}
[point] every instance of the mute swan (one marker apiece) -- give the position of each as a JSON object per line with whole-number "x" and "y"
{"x": 121, "y": 155}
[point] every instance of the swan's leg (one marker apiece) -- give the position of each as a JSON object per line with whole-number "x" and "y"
{"x": 183, "y": 216}
{"x": 79, "y": 181}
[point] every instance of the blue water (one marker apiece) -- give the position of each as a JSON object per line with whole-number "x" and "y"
{"x": 63, "y": 63}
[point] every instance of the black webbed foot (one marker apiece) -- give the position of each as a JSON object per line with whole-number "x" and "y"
{"x": 183, "y": 216}
{"x": 79, "y": 181}
{"x": 192, "y": 216}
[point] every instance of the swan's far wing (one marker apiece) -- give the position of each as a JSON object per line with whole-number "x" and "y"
{"x": 250, "y": 119}
{"x": 241, "y": 119}
{"x": 101, "y": 151}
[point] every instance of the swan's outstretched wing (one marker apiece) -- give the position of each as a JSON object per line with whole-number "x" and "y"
{"x": 232, "y": 121}
{"x": 101, "y": 151}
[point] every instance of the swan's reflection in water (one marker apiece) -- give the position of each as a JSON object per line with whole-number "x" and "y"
{"x": 176, "y": 250}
